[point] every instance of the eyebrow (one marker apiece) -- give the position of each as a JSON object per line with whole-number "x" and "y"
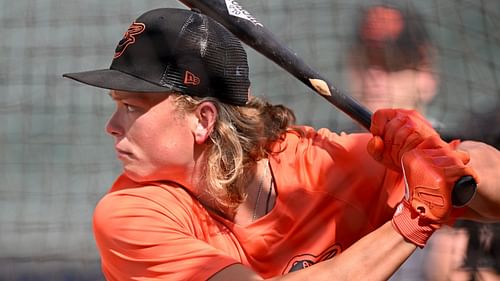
{"x": 147, "y": 99}
{"x": 119, "y": 97}
{"x": 114, "y": 97}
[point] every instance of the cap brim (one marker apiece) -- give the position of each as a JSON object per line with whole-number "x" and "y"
{"x": 116, "y": 80}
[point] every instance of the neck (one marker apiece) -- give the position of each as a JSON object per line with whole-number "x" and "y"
{"x": 259, "y": 193}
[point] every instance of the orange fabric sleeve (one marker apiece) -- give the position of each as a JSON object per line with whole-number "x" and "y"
{"x": 140, "y": 237}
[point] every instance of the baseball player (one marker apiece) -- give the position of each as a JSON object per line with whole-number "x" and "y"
{"x": 218, "y": 184}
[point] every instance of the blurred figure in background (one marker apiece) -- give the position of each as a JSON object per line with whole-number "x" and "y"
{"x": 392, "y": 64}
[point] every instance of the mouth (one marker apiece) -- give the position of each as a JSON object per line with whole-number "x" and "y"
{"x": 122, "y": 154}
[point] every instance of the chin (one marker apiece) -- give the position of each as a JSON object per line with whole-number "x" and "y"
{"x": 136, "y": 175}
{"x": 140, "y": 175}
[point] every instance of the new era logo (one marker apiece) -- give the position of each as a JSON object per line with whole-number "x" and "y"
{"x": 191, "y": 79}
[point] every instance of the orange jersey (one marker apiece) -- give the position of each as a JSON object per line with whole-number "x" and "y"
{"x": 330, "y": 193}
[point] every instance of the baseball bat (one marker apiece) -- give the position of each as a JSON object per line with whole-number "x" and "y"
{"x": 249, "y": 30}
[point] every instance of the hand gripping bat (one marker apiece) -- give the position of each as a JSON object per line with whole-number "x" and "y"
{"x": 249, "y": 30}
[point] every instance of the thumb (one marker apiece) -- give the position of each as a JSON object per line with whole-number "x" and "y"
{"x": 375, "y": 147}
{"x": 464, "y": 156}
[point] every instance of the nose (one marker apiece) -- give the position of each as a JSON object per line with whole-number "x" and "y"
{"x": 114, "y": 127}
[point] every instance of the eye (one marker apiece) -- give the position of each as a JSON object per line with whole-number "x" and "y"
{"x": 130, "y": 108}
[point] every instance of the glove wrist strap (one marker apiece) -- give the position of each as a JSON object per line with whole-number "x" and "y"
{"x": 411, "y": 226}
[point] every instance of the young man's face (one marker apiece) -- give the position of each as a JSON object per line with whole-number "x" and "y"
{"x": 152, "y": 140}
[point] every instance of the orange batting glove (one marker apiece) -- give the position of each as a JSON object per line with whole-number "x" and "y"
{"x": 396, "y": 131}
{"x": 430, "y": 171}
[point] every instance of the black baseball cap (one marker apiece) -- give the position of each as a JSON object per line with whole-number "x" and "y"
{"x": 392, "y": 37}
{"x": 178, "y": 50}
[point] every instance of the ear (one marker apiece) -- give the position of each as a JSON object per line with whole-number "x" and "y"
{"x": 206, "y": 116}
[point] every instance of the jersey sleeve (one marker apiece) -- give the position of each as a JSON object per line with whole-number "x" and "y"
{"x": 339, "y": 165}
{"x": 140, "y": 238}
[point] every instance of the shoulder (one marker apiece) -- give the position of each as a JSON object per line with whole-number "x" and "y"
{"x": 312, "y": 143}
{"x": 141, "y": 207}
{"x": 158, "y": 230}
{"x": 319, "y": 156}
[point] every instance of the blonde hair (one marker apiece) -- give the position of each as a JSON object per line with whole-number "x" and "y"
{"x": 242, "y": 135}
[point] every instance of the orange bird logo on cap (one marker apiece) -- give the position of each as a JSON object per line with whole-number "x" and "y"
{"x": 135, "y": 29}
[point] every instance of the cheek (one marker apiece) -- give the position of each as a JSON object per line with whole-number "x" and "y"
{"x": 170, "y": 145}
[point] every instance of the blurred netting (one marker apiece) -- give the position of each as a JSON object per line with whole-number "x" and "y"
{"x": 56, "y": 161}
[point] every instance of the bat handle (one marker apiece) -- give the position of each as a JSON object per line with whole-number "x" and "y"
{"x": 463, "y": 191}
